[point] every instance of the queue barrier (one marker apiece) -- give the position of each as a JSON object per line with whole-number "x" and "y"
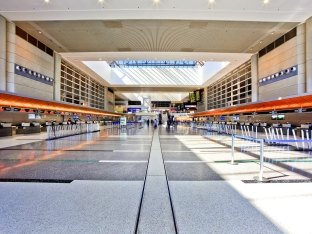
{"x": 58, "y": 131}
{"x": 261, "y": 153}
{"x": 278, "y": 136}
{"x": 213, "y": 127}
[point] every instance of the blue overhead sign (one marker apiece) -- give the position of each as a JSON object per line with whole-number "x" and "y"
{"x": 134, "y": 110}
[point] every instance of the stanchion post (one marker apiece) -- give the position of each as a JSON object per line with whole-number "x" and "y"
{"x": 232, "y": 151}
{"x": 261, "y": 160}
{"x": 260, "y": 177}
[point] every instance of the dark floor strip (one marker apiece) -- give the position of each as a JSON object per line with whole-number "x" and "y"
{"x": 142, "y": 194}
{"x": 80, "y": 150}
{"x": 170, "y": 197}
{"x": 37, "y": 181}
{"x": 278, "y": 181}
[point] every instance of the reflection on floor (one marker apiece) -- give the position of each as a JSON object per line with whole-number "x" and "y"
{"x": 138, "y": 180}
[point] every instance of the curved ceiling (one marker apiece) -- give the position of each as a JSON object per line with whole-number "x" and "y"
{"x": 242, "y": 10}
{"x": 226, "y": 30}
{"x": 159, "y": 35}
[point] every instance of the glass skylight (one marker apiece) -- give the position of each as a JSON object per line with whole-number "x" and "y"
{"x": 156, "y": 73}
{"x": 156, "y": 63}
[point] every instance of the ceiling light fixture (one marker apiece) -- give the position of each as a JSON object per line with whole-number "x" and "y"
{"x": 100, "y": 1}
{"x": 47, "y": 1}
{"x": 211, "y": 1}
{"x": 266, "y": 1}
{"x": 156, "y": 1}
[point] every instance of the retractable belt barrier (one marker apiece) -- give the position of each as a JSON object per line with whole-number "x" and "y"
{"x": 261, "y": 152}
{"x": 59, "y": 131}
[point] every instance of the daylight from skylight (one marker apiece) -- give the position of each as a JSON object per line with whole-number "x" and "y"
{"x": 156, "y": 73}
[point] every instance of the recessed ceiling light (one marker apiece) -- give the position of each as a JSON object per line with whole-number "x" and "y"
{"x": 156, "y": 1}
{"x": 260, "y": 42}
{"x": 272, "y": 33}
{"x": 100, "y": 1}
{"x": 46, "y": 1}
{"x": 211, "y": 1}
{"x": 39, "y": 32}
{"x": 266, "y": 1}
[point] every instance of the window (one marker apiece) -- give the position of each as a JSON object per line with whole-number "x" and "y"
{"x": 77, "y": 89}
{"x": 235, "y": 91}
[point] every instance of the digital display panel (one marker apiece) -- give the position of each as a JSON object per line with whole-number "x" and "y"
{"x": 278, "y": 117}
{"x": 192, "y": 97}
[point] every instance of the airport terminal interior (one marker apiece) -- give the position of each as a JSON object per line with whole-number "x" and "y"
{"x": 155, "y": 116}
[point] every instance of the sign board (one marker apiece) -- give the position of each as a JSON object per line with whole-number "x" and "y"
{"x": 123, "y": 121}
{"x": 134, "y": 110}
{"x": 222, "y": 118}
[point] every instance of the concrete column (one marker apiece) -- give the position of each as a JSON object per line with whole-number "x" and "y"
{"x": 254, "y": 78}
{"x": 308, "y": 40}
{"x": 301, "y": 58}
{"x": 105, "y": 98}
{"x": 57, "y": 77}
{"x": 2, "y": 53}
{"x": 10, "y": 62}
{"x": 205, "y": 96}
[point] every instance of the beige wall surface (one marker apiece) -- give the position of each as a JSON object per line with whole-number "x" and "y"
{"x": 285, "y": 56}
{"x": 33, "y": 58}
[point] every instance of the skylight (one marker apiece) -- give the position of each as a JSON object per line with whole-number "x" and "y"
{"x": 156, "y": 73}
{"x": 156, "y": 63}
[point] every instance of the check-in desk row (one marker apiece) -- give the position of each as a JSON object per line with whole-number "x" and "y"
{"x": 7, "y": 129}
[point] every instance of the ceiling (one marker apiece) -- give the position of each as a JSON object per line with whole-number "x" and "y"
{"x": 159, "y": 35}
{"x": 226, "y": 30}
{"x": 224, "y": 10}
{"x": 172, "y": 96}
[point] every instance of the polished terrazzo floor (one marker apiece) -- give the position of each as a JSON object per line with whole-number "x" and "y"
{"x": 138, "y": 180}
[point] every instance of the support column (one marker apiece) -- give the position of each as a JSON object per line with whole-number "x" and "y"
{"x": 105, "y": 98}
{"x": 308, "y": 41}
{"x": 57, "y": 77}
{"x": 10, "y": 56}
{"x": 2, "y": 53}
{"x": 301, "y": 58}
{"x": 254, "y": 78}
{"x": 205, "y": 96}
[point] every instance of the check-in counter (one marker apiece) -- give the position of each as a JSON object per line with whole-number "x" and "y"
{"x": 28, "y": 128}
{"x": 6, "y": 129}
{"x": 262, "y": 125}
{"x": 45, "y": 126}
{"x": 304, "y": 129}
{"x": 287, "y": 128}
{"x": 276, "y": 125}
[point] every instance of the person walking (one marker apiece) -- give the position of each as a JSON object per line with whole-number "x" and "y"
{"x": 155, "y": 123}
